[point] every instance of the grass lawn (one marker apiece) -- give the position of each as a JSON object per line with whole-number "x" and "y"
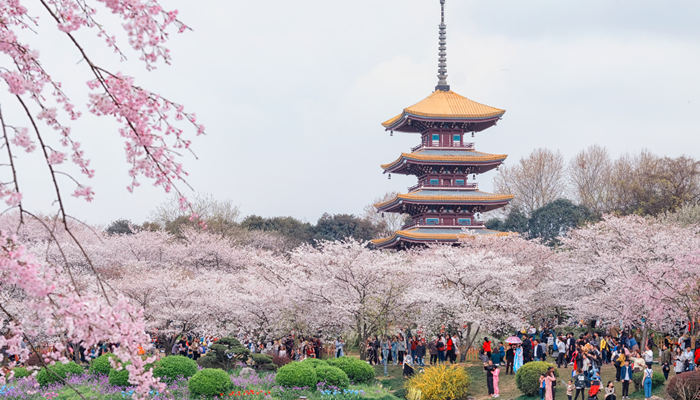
{"x": 508, "y": 390}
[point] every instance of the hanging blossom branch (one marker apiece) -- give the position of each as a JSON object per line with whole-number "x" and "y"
{"x": 154, "y": 140}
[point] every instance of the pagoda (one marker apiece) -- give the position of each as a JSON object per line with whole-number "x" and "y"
{"x": 444, "y": 205}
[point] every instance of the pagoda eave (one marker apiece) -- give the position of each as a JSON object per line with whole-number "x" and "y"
{"x": 406, "y": 165}
{"x": 417, "y": 124}
{"x": 486, "y": 203}
{"x": 427, "y": 236}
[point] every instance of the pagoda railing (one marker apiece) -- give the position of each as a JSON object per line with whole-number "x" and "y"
{"x": 416, "y": 224}
{"x": 470, "y": 186}
{"x": 468, "y": 146}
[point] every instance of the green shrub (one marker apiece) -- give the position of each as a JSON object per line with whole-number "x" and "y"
{"x": 171, "y": 367}
{"x": 528, "y": 376}
{"x": 683, "y": 386}
{"x": 297, "y": 374}
{"x": 439, "y": 383}
{"x": 21, "y": 372}
{"x": 314, "y": 362}
{"x": 657, "y": 380}
{"x": 119, "y": 377}
{"x": 209, "y": 382}
{"x": 218, "y": 354}
{"x": 357, "y": 370}
{"x": 332, "y": 376}
{"x": 263, "y": 362}
{"x": 57, "y": 372}
{"x": 101, "y": 365}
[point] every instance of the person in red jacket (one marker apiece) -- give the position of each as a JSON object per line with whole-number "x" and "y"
{"x": 487, "y": 346}
{"x": 450, "y": 350}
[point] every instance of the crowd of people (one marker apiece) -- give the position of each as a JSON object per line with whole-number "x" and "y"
{"x": 586, "y": 355}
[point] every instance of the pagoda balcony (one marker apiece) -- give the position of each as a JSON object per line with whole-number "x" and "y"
{"x": 410, "y": 225}
{"x": 466, "y": 146}
{"x": 469, "y": 186}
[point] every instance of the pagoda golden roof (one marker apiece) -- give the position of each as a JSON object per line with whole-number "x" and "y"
{"x": 473, "y": 156}
{"x": 443, "y": 104}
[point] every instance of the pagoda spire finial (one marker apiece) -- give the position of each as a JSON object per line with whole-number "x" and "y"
{"x": 442, "y": 60}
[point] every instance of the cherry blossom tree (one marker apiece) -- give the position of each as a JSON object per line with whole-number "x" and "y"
{"x": 345, "y": 284}
{"x": 479, "y": 290}
{"x": 633, "y": 270}
{"x": 153, "y": 130}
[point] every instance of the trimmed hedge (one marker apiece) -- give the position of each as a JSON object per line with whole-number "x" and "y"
{"x": 119, "y": 377}
{"x": 263, "y": 362}
{"x": 528, "y": 376}
{"x": 357, "y": 370}
{"x": 332, "y": 376}
{"x": 209, "y": 382}
{"x": 20, "y": 372}
{"x": 58, "y": 372}
{"x": 101, "y": 364}
{"x": 683, "y": 386}
{"x": 439, "y": 383}
{"x": 169, "y": 368}
{"x": 657, "y": 380}
{"x": 314, "y": 362}
{"x": 297, "y": 374}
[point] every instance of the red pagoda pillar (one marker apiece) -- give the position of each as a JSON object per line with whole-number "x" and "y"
{"x": 444, "y": 203}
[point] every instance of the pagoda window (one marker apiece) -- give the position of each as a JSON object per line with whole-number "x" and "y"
{"x": 447, "y": 182}
{"x": 456, "y": 139}
{"x": 459, "y": 182}
{"x": 432, "y": 221}
{"x": 434, "y": 182}
{"x": 436, "y": 139}
{"x": 464, "y": 221}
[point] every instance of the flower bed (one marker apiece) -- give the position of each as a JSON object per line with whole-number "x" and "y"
{"x": 260, "y": 386}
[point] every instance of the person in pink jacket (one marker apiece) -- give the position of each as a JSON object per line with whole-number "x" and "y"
{"x": 496, "y": 371}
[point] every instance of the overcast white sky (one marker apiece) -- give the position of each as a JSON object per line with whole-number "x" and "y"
{"x": 293, "y": 92}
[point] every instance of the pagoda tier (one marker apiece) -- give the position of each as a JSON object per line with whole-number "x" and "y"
{"x": 444, "y": 205}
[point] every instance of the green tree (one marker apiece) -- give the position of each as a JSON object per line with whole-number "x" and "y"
{"x": 291, "y": 228}
{"x": 556, "y": 218}
{"x": 120, "y": 227}
{"x": 342, "y": 226}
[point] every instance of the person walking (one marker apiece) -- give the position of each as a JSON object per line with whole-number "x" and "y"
{"x": 432, "y": 349}
{"x": 486, "y": 347}
{"x": 580, "y": 384}
{"x": 401, "y": 348}
{"x": 450, "y": 350}
{"x": 420, "y": 353}
{"x": 441, "y": 349}
{"x": 510, "y": 357}
{"x": 560, "y": 350}
{"x": 646, "y": 379}
{"x": 549, "y": 382}
{"x": 489, "y": 368}
{"x": 496, "y": 373}
{"x": 394, "y": 350}
{"x": 386, "y": 348}
{"x": 518, "y": 361}
{"x": 339, "y": 345}
{"x": 665, "y": 360}
{"x": 626, "y": 376}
